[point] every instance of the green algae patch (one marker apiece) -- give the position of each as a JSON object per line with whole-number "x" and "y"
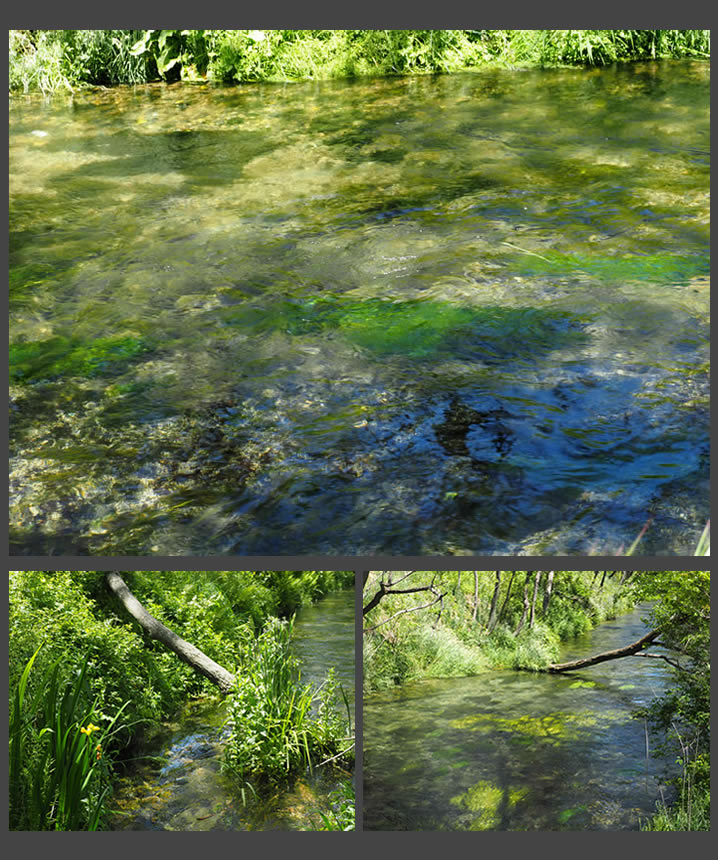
{"x": 656, "y": 268}
{"x": 415, "y": 328}
{"x": 567, "y": 814}
{"x": 490, "y": 801}
{"x": 62, "y": 357}
{"x": 556, "y": 726}
{"x": 581, "y": 684}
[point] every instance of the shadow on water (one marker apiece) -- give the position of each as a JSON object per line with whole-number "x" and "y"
{"x": 517, "y": 751}
{"x": 456, "y": 314}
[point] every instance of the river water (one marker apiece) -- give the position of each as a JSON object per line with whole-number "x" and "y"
{"x": 177, "y": 783}
{"x": 460, "y": 314}
{"x": 518, "y": 750}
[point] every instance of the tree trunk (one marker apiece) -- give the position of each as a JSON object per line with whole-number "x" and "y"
{"x": 494, "y": 602}
{"x": 634, "y": 648}
{"x": 547, "y": 593}
{"x": 532, "y": 617}
{"x": 506, "y": 598}
{"x": 476, "y": 596}
{"x": 527, "y": 604}
{"x": 156, "y": 630}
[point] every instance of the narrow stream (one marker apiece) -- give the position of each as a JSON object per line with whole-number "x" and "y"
{"x": 518, "y": 750}
{"x": 178, "y": 784}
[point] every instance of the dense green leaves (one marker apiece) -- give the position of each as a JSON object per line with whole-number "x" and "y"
{"x": 681, "y": 611}
{"x": 67, "y": 626}
{"x": 55, "y": 59}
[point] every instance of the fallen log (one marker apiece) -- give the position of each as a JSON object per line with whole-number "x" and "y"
{"x": 634, "y": 648}
{"x": 155, "y": 629}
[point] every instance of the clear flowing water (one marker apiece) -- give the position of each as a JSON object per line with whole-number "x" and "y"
{"x": 518, "y": 750}
{"x": 177, "y": 785}
{"x": 437, "y": 315}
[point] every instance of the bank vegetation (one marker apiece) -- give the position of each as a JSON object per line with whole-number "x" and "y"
{"x": 57, "y": 60}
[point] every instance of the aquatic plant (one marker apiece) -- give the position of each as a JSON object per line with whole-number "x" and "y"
{"x": 59, "y": 772}
{"x": 62, "y": 357}
{"x": 273, "y": 730}
{"x": 489, "y": 801}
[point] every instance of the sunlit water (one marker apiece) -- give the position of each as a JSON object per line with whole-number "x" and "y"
{"x": 452, "y": 315}
{"x": 178, "y": 784}
{"x": 519, "y": 750}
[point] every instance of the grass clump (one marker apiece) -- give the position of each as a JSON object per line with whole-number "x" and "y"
{"x": 277, "y": 724}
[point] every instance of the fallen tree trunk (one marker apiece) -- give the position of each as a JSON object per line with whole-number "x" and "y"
{"x": 634, "y": 648}
{"x": 155, "y": 629}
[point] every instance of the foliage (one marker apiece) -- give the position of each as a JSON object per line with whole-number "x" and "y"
{"x": 681, "y": 611}
{"x": 273, "y": 730}
{"x": 50, "y": 60}
{"x": 74, "y": 615}
{"x": 341, "y": 814}
{"x": 59, "y": 773}
{"x": 457, "y": 637}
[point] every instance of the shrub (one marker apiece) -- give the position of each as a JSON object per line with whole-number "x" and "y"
{"x": 536, "y": 647}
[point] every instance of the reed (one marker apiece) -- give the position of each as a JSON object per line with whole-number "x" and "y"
{"x": 59, "y": 773}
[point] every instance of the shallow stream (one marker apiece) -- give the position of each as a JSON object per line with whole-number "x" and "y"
{"x": 177, "y": 783}
{"x": 459, "y": 314}
{"x": 519, "y": 750}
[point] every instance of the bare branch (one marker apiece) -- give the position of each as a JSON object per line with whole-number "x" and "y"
{"x": 403, "y": 612}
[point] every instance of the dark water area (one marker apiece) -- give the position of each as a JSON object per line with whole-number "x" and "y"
{"x": 439, "y": 315}
{"x": 519, "y": 750}
{"x": 177, "y": 783}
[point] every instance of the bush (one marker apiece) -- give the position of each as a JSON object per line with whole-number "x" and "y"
{"x": 439, "y": 653}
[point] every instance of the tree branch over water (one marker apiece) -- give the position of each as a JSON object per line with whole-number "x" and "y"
{"x": 626, "y": 651}
{"x": 439, "y": 597}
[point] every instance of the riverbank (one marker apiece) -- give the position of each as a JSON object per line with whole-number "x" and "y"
{"x": 52, "y": 60}
{"x": 78, "y": 667}
{"x": 485, "y": 622}
{"x": 519, "y": 751}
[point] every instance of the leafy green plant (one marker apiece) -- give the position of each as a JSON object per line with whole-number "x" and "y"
{"x": 59, "y": 773}
{"x": 164, "y": 48}
{"x": 341, "y": 815}
{"x": 273, "y": 730}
